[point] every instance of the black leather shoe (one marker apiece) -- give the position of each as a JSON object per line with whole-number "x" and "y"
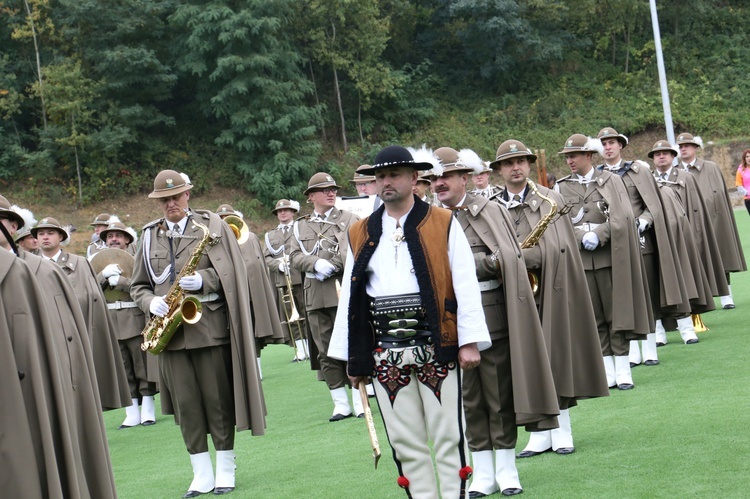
{"x": 625, "y": 386}
{"x": 692, "y": 341}
{"x": 613, "y": 387}
{"x": 339, "y": 417}
{"x": 194, "y": 493}
{"x": 220, "y": 491}
{"x": 531, "y": 453}
{"x": 474, "y": 494}
{"x": 149, "y": 422}
{"x": 564, "y": 451}
{"x": 660, "y": 344}
{"x": 651, "y": 363}
{"x": 122, "y": 426}
{"x": 633, "y": 364}
{"x": 361, "y": 415}
{"x": 729, "y": 306}
{"x": 512, "y": 492}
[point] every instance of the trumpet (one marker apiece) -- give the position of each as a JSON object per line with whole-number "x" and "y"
{"x": 290, "y": 310}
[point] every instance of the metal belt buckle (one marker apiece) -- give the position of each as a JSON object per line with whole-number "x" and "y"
{"x": 403, "y": 322}
{"x": 401, "y": 333}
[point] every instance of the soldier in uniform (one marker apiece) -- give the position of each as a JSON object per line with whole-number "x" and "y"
{"x": 97, "y": 244}
{"x": 266, "y": 322}
{"x": 365, "y": 184}
{"x": 23, "y": 236}
{"x": 79, "y": 436}
{"x": 318, "y": 249}
{"x": 513, "y": 384}
{"x": 422, "y": 189}
{"x": 129, "y": 321}
{"x": 685, "y": 186}
{"x": 482, "y": 186}
{"x": 110, "y": 373}
{"x": 410, "y": 254}
{"x": 569, "y": 324}
{"x": 276, "y": 254}
{"x": 664, "y": 276}
{"x": 714, "y": 190}
{"x": 208, "y": 376}
{"x": 607, "y": 239}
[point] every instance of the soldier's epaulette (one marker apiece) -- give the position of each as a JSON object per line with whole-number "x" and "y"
{"x": 302, "y": 217}
{"x": 565, "y": 178}
{"x": 202, "y": 213}
{"x": 153, "y": 223}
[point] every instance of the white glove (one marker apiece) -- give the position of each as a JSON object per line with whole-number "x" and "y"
{"x": 282, "y": 267}
{"x": 113, "y": 280}
{"x": 742, "y": 191}
{"x": 192, "y": 282}
{"x": 642, "y": 225}
{"x": 158, "y": 307}
{"x": 325, "y": 267}
{"x": 110, "y": 270}
{"x": 590, "y": 241}
{"x": 320, "y": 276}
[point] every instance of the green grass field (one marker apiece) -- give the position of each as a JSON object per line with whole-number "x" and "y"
{"x": 682, "y": 432}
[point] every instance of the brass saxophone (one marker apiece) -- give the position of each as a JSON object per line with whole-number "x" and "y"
{"x": 159, "y": 330}
{"x": 536, "y": 233}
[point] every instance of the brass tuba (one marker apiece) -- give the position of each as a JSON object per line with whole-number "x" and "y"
{"x": 159, "y": 330}
{"x": 239, "y": 228}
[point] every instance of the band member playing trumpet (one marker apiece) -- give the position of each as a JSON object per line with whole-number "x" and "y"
{"x": 318, "y": 249}
{"x": 289, "y": 294}
{"x": 208, "y": 374}
{"x": 114, "y": 268}
{"x": 551, "y": 255}
{"x": 513, "y": 384}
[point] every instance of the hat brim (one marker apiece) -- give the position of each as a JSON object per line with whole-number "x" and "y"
{"x": 35, "y": 230}
{"x": 12, "y": 215}
{"x": 295, "y": 210}
{"x": 321, "y": 187}
{"x": 413, "y": 165}
{"x": 168, "y": 193}
{"x": 103, "y": 234}
{"x": 650, "y": 154}
{"x": 495, "y": 164}
{"x": 689, "y": 143}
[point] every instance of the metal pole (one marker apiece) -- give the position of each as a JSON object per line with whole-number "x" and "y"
{"x": 662, "y": 74}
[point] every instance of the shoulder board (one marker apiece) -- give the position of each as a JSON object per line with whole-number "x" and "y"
{"x": 153, "y": 223}
{"x": 202, "y": 213}
{"x": 303, "y": 217}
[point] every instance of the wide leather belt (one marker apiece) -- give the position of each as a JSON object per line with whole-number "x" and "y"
{"x": 118, "y": 305}
{"x": 399, "y": 321}
{"x": 489, "y": 285}
{"x": 588, "y": 227}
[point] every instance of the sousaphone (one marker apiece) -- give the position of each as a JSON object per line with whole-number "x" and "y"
{"x": 122, "y": 259}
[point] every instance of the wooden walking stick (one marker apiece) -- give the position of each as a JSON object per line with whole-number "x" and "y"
{"x": 370, "y": 423}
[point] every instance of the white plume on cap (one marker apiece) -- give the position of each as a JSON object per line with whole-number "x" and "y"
{"x": 425, "y": 155}
{"x": 186, "y": 178}
{"x": 112, "y": 219}
{"x": 294, "y": 205}
{"x": 28, "y": 217}
{"x": 594, "y": 145}
{"x": 239, "y": 214}
{"x": 470, "y": 159}
{"x": 67, "y": 230}
{"x": 698, "y": 141}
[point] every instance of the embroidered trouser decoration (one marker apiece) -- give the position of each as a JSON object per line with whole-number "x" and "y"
{"x": 393, "y": 374}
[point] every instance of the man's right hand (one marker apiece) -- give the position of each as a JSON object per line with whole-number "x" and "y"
{"x": 111, "y": 270}
{"x": 325, "y": 267}
{"x": 158, "y": 307}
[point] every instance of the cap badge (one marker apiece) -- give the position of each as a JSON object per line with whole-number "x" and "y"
{"x": 170, "y": 183}
{"x": 513, "y": 148}
{"x": 681, "y": 138}
{"x": 329, "y": 178}
{"x": 570, "y": 143}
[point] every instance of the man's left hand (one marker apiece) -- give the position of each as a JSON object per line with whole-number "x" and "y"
{"x": 193, "y": 282}
{"x": 468, "y": 356}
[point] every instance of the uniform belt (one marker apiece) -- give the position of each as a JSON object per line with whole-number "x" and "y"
{"x": 489, "y": 285}
{"x": 118, "y": 305}
{"x": 418, "y": 339}
{"x": 588, "y": 227}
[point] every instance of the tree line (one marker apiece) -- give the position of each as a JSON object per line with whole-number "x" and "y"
{"x": 99, "y": 96}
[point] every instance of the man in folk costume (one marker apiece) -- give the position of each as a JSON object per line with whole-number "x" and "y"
{"x": 97, "y": 243}
{"x": 719, "y": 205}
{"x": 409, "y": 278}
{"x": 513, "y": 384}
{"x": 266, "y": 322}
{"x": 208, "y": 374}
{"x": 110, "y": 373}
{"x": 276, "y": 254}
{"x": 685, "y": 186}
{"x": 129, "y": 321}
{"x": 568, "y": 323}
{"x": 318, "y": 248}
{"x": 664, "y": 277}
{"x": 608, "y": 242}
{"x": 81, "y": 435}
{"x": 481, "y": 181}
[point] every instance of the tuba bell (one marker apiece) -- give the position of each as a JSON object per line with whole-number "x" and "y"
{"x": 239, "y": 228}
